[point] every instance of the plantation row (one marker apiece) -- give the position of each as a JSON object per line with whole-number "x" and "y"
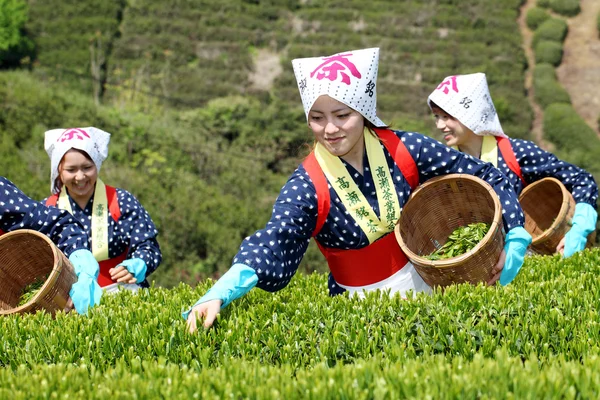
{"x": 186, "y": 53}
{"x": 374, "y": 378}
{"x": 550, "y": 312}
{"x": 560, "y": 118}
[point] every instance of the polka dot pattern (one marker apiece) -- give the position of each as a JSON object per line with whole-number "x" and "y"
{"x": 17, "y": 211}
{"x": 538, "y": 164}
{"x": 276, "y": 251}
{"x": 134, "y": 230}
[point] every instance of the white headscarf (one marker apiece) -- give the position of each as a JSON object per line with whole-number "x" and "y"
{"x": 58, "y": 141}
{"x": 349, "y": 77}
{"x": 467, "y": 98}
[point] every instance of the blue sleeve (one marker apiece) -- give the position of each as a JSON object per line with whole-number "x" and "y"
{"x": 275, "y": 252}
{"x": 140, "y": 230}
{"x": 584, "y": 223}
{"x": 515, "y": 246}
{"x": 236, "y": 282}
{"x": 17, "y": 211}
{"x": 434, "y": 159}
{"x": 537, "y": 164}
{"x": 86, "y": 292}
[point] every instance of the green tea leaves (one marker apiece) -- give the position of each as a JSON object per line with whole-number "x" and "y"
{"x": 462, "y": 240}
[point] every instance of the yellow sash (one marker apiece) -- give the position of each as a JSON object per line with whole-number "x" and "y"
{"x": 489, "y": 150}
{"x": 99, "y": 219}
{"x": 351, "y": 196}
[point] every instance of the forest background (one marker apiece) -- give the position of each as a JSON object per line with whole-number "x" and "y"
{"x": 203, "y": 107}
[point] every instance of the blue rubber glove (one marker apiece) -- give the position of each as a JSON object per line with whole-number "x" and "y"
{"x": 85, "y": 292}
{"x": 515, "y": 245}
{"x": 234, "y": 284}
{"x": 584, "y": 223}
{"x": 136, "y": 267}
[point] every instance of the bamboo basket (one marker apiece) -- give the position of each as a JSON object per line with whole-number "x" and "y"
{"x": 24, "y": 256}
{"x": 434, "y": 211}
{"x": 549, "y": 209}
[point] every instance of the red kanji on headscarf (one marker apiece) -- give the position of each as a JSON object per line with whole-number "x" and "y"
{"x": 447, "y": 83}
{"x": 72, "y": 134}
{"x": 334, "y": 64}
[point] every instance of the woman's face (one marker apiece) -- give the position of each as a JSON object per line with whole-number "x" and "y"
{"x": 455, "y": 133}
{"x": 78, "y": 173}
{"x": 337, "y": 127}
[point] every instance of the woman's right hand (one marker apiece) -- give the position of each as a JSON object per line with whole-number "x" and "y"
{"x": 207, "y": 310}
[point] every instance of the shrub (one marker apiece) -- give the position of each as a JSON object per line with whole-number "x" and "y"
{"x": 543, "y": 3}
{"x": 373, "y": 378}
{"x": 535, "y": 17}
{"x": 548, "y": 52}
{"x": 576, "y": 141}
{"x": 547, "y": 89}
{"x": 301, "y": 326}
{"x": 565, "y": 7}
{"x": 554, "y": 29}
{"x": 14, "y": 44}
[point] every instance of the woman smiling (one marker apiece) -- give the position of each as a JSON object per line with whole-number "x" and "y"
{"x": 123, "y": 236}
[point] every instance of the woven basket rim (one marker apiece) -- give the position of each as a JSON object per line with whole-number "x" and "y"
{"x": 562, "y": 213}
{"x": 52, "y": 277}
{"x": 454, "y": 261}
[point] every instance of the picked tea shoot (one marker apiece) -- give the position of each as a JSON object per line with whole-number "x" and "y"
{"x": 31, "y": 290}
{"x": 463, "y": 239}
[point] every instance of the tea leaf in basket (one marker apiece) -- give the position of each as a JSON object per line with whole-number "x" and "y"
{"x": 31, "y": 290}
{"x": 462, "y": 240}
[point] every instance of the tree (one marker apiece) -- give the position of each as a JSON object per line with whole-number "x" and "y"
{"x": 14, "y": 44}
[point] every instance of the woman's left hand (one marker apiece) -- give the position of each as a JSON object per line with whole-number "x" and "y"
{"x": 120, "y": 274}
{"x": 497, "y": 270}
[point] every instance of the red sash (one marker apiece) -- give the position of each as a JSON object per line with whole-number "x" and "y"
{"x": 509, "y": 156}
{"x": 111, "y": 195}
{"x": 104, "y": 278}
{"x": 382, "y": 258}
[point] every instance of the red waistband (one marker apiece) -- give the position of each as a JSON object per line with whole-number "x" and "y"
{"x": 104, "y": 278}
{"x": 371, "y": 264}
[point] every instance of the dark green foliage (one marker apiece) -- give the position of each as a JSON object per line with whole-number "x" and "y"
{"x": 535, "y": 17}
{"x": 554, "y": 29}
{"x": 64, "y": 30}
{"x": 573, "y": 137}
{"x": 15, "y": 47}
{"x": 547, "y": 88}
{"x": 548, "y": 52}
{"x": 187, "y": 53}
{"x": 186, "y": 116}
{"x": 569, "y": 8}
{"x": 543, "y": 3}
{"x": 189, "y": 170}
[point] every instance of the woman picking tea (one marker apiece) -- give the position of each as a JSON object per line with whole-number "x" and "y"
{"x": 348, "y": 194}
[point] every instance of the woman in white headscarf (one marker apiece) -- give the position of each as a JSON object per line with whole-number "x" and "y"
{"x": 123, "y": 236}
{"x": 466, "y": 116}
{"x": 348, "y": 194}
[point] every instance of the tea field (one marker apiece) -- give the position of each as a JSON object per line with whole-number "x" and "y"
{"x": 536, "y": 338}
